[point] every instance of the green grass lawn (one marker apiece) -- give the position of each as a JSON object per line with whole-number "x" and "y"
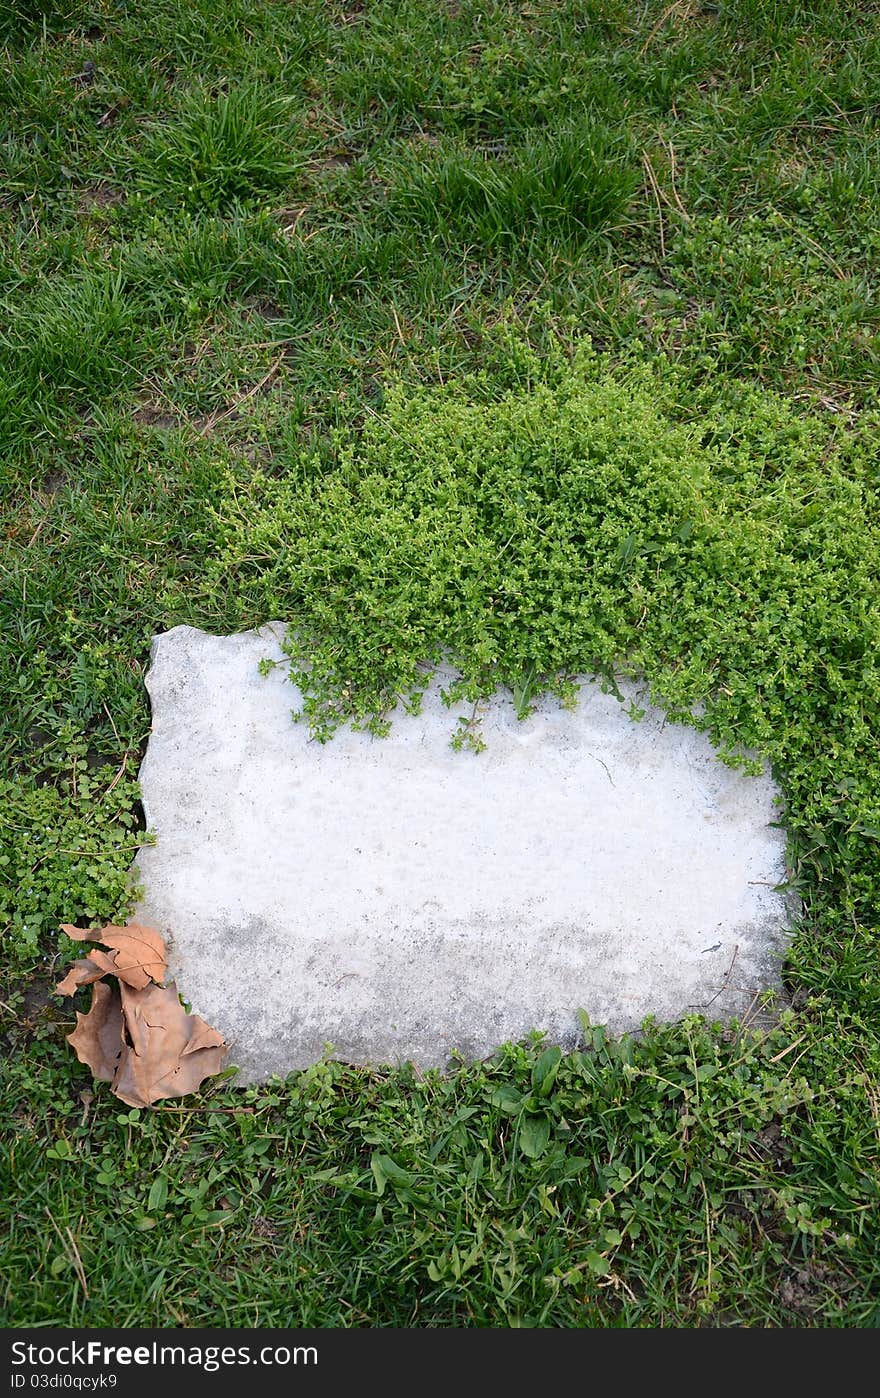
{"x": 545, "y": 332}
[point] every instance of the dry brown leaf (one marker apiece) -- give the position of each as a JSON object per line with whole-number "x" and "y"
{"x": 203, "y": 1036}
{"x": 170, "y": 1053}
{"x": 139, "y": 952}
{"x": 104, "y": 960}
{"x": 81, "y": 973}
{"x": 80, "y": 934}
{"x": 137, "y": 1035}
{"x": 98, "y": 1037}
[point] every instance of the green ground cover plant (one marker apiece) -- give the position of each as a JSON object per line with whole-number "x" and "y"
{"x": 544, "y": 334}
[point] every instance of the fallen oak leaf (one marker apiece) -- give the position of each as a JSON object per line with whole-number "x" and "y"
{"x": 98, "y": 1039}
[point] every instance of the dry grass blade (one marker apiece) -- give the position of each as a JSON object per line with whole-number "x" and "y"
{"x": 71, "y": 1252}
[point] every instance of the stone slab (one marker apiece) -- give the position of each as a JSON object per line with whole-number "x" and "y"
{"x": 400, "y": 900}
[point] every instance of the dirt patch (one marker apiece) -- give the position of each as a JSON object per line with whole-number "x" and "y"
{"x": 289, "y": 219}
{"x": 53, "y": 482}
{"x": 259, "y": 455}
{"x": 152, "y": 415}
{"x": 354, "y": 13}
{"x": 37, "y": 1000}
{"x": 770, "y": 1145}
{"x": 263, "y": 306}
{"x": 29, "y": 1012}
{"x": 264, "y": 1228}
{"x": 330, "y": 164}
{"x": 99, "y": 196}
{"x": 804, "y": 1289}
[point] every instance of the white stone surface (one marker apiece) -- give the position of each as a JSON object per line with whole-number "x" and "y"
{"x": 399, "y": 900}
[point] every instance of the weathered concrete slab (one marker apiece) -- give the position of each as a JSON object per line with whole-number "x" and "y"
{"x": 400, "y": 900}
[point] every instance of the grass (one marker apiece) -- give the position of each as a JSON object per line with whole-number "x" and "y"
{"x": 221, "y": 150}
{"x": 551, "y": 189}
{"x": 287, "y": 288}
